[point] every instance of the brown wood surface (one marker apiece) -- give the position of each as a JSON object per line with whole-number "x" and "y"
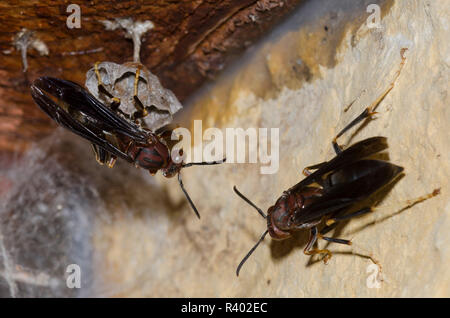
{"x": 191, "y": 42}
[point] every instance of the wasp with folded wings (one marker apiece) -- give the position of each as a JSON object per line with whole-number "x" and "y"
{"x": 329, "y": 194}
{"x": 113, "y": 135}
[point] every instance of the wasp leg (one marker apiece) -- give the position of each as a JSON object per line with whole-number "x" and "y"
{"x": 370, "y": 110}
{"x": 142, "y": 110}
{"x": 101, "y": 88}
{"x": 312, "y": 239}
{"x": 348, "y": 242}
{"x": 335, "y": 240}
{"x": 339, "y": 216}
{"x": 115, "y": 101}
{"x": 145, "y": 110}
{"x": 331, "y": 224}
{"x": 348, "y": 216}
{"x": 103, "y": 157}
{"x": 306, "y": 172}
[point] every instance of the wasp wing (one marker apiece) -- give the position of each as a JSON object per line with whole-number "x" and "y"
{"x": 348, "y": 185}
{"x": 76, "y": 109}
{"x": 79, "y": 99}
{"x": 356, "y": 152}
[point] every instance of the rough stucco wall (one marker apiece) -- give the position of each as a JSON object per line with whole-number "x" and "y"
{"x": 143, "y": 238}
{"x": 200, "y": 257}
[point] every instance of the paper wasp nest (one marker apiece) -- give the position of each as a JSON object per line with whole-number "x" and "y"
{"x": 119, "y": 80}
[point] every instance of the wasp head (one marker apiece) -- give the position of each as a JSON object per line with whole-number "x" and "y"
{"x": 279, "y": 218}
{"x": 171, "y": 169}
{"x": 174, "y": 165}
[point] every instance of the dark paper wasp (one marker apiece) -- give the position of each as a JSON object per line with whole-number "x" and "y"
{"x": 327, "y": 195}
{"x": 112, "y": 135}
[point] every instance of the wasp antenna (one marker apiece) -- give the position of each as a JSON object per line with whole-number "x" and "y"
{"x": 250, "y": 252}
{"x": 250, "y": 202}
{"x": 187, "y": 196}
{"x": 186, "y": 165}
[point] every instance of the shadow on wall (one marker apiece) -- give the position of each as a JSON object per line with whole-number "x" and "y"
{"x": 51, "y": 201}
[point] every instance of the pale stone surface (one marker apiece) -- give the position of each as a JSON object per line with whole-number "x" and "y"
{"x": 185, "y": 257}
{"x": 146, "y": 241}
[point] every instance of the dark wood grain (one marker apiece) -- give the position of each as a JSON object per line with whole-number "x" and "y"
{"x": 192, "y": 42}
